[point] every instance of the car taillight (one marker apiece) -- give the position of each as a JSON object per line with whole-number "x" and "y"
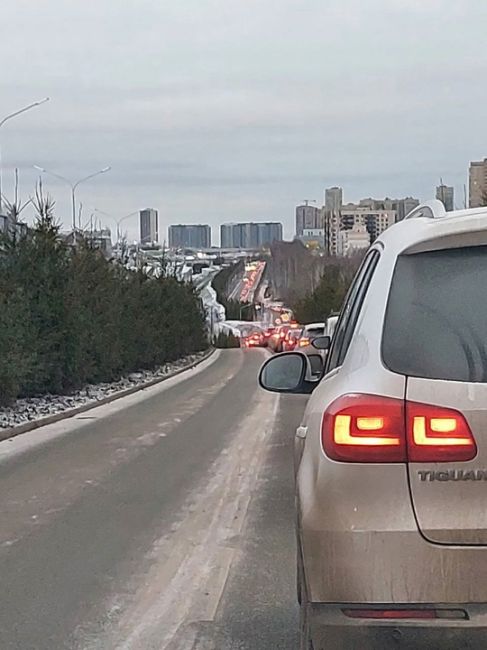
{"x": 304, "y": 342}
{"x": 437, "y": 434}
{"x": 361, "y": 428}
{"x": 365, "y": 429}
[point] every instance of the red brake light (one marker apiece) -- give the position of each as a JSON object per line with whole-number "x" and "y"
{"x": 365, "y": 429}
{"x": 437, "y": 434}
{"x": 372, "y": 429}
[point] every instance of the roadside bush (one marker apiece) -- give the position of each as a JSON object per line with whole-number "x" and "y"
{"x": 70, "y": 317}
{"x": 226, "y": 341}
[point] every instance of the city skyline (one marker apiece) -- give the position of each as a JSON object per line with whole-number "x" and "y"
{"x": 132, "y": 226}
{"x": 213, "y": 129}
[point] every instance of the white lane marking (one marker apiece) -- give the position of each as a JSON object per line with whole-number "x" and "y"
{"x": 32, "y": 439}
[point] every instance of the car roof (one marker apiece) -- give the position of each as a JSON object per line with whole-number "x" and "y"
{"x": 311, "y": 325}
{"x": 417, "y": 232}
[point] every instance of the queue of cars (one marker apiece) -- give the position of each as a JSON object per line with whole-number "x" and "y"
{"x": 290, "y": 336}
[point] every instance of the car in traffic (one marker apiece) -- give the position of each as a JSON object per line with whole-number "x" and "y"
{"x": 391, "y": 454}
{"x": 308, "y": 334}
{"x": 254, "y": 340}
{"x": 277, "y": 337}
{"x": 291, "y": 339}
{"x": 330, "y": 324}
{"x": 268, "y": 332}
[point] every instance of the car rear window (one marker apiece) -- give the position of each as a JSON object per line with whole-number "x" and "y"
{"x": 436, "y": 318}
{"x": 315, "y": 331}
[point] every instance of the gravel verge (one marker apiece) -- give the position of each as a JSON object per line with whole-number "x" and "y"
{"x": 32, "y": 412}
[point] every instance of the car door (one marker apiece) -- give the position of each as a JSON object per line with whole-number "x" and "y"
{"x": 343, "y": 336}
{"x": 435, "y": 334}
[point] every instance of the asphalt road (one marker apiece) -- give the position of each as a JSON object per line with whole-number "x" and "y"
{"x": 164, "y": 520}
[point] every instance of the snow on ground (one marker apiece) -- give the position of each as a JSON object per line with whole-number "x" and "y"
{"x": 33, "y": 408}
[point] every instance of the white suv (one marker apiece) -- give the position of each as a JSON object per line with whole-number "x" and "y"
{"x": 391, "y": 457}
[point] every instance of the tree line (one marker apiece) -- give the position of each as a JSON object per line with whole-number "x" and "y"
{"x": 329, "y": 294}
{"x": 69, "y": 317}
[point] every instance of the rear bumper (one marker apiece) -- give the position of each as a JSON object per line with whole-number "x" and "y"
{"x": 390, "y": 567}
{"x": 330, "y": 628}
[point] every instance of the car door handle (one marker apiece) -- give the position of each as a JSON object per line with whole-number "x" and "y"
{"x": 301, "y": 432}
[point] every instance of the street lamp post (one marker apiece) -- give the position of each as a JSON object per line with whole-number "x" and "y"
{"x": 117, "y": 221}
{"x": 72, "y": 185}
{"x": 6, "y": 119}
{"x": 244, "y": 307}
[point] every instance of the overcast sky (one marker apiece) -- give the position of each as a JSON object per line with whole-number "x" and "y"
{"x": 221, "y": 110}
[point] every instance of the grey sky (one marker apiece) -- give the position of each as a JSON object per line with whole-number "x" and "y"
{"x": 218, "y": 110}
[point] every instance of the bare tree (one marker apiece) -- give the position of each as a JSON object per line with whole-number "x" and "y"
{"x": 44, "y": 206}
{"x": 15, "y": 208}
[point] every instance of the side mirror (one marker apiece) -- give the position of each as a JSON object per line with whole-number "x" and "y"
{"x": 287, "y": 373}
{"x": 321, "y": 343}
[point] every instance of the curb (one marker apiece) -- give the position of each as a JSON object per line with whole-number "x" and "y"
{"x": 12, "y": 432}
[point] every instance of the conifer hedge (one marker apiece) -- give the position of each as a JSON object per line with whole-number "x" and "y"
{"x": 69, "y": 317}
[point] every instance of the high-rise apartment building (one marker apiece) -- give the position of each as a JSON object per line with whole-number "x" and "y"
{"x": 149, "y": 226}
{"x": 268, "y": 232}
{"x": 329, "y": 218}
{"x": 375, "y": 215}
{"x": 190, "y": 236}
{"x": 306, "y": 219}
{"x": 446, "y": 194}
{"x": 376, "y": 220}
{"x": 250, "y": 235}
{"x": 478, "y": 184}
{"x": 402, "y": 207}
{"x": 334, "y": 198}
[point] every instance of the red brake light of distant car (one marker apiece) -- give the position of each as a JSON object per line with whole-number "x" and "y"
{"x": 361, "y": 428}
{"x": 437, "y": 434}
{"x": 304, "y": 342}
